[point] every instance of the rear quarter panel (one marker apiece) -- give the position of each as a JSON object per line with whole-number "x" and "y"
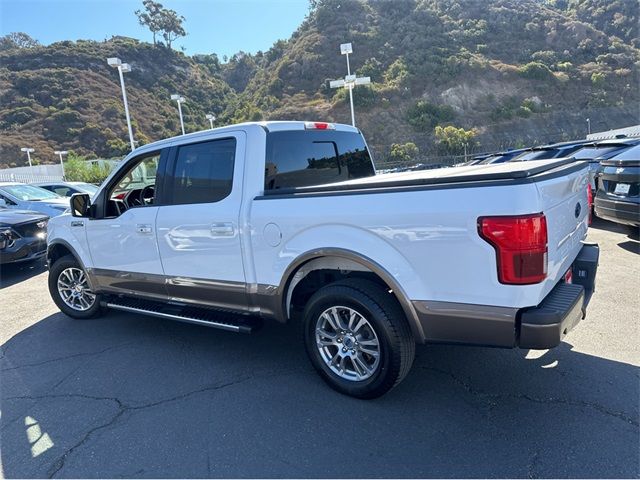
{"x": 426, "y": 239}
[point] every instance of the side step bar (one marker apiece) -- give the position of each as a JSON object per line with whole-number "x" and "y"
{"x": 185, "y": 313}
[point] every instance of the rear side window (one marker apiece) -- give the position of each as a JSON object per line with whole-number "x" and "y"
{"x": 204, "y": 172}
{"x": 307, "y": 158}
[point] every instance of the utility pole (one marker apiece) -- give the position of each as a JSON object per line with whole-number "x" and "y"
{"x": 212, "y": 118}
{"x": 180, "y": 100}
{"x": 60, "y": 153}
{"x": 349, "y": 81}
{"x": 122, "y": 69}
{"x": 29, "y": 151}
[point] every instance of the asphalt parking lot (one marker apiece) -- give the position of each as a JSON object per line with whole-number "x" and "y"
{"x": 134, "y": 396}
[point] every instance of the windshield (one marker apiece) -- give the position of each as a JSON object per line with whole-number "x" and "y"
{"x": 87, "y": 187}
{"x": 29, "y": 193}
{"x": 589, "y": 153}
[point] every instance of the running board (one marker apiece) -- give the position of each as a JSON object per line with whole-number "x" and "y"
{"x": 186, "y": 313}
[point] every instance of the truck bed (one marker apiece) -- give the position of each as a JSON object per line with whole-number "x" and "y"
{"x": 454, "y": 177}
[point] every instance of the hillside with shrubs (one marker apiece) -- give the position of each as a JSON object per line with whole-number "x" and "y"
{"x": 499, "y": 73}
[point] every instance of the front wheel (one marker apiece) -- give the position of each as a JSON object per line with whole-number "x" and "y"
{"x": 70, "y": 290}
{"x": 357, "y": 338}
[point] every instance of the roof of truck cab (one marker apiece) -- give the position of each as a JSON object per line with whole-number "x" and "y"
{"x": 270, "y": 126}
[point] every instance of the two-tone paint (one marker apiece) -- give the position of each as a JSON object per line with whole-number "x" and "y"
{"x": 416, "y": 231}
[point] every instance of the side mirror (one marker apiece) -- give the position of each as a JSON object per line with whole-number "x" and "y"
{"x": 3, "y": 202}
{"x": 80, "y": 203}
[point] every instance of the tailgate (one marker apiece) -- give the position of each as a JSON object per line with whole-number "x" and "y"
{"x": 565, "y": 205}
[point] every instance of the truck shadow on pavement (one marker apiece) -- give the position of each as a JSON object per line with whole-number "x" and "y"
{"x": 134, "y": 396}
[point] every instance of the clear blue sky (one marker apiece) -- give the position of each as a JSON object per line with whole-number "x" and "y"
{"x": 213, "y": 26}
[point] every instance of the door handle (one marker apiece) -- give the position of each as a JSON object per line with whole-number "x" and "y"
{"x": 222, "y": 229}
{"x": 143, "y": 228}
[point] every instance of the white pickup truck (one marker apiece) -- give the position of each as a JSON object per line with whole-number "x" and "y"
{"x": 288, "y": 221}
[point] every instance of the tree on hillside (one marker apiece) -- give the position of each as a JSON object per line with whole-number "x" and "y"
{"x": 455, "y": 140}
{"x": 403, "y": 152}
{"x": 150, "y": 17}
{"x": 171, "y": 26}
{"x": 160, "y": 20}
{"x": 17, "y": 40}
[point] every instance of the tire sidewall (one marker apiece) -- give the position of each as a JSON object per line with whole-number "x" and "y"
{"x": 374, "y": 316}
{"x": 54, "y": 272}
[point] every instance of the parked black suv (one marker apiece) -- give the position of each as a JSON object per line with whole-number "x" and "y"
{"x": 23, "y": 235}
{"x": 618, "y": 198}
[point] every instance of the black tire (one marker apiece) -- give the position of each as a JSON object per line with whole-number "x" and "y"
{"x": 55, "y": 271}
{"x": 382, "y": 311}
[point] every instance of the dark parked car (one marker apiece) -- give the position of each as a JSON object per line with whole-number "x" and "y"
{"x": 502, "y": 157}
{"x": 618, "y": 198}
{"x": 595, "y": 153}
{"x": 23, "y": 235}
{"x": 554, "y": 150}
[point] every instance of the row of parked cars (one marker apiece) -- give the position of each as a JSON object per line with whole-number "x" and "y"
{"x": 615, "y": 172}
{"x": 24, "y": 214}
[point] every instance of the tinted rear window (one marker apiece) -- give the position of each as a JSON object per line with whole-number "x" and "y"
{"x": 632, "y": 153}
{"x": 307, "y": 158}
{"x": 589, "y": 153}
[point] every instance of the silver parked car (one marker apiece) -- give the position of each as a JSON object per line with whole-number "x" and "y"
{"x": 66, "y": 189}
{"x": 28, "y": 197}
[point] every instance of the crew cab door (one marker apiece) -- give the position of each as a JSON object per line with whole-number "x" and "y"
{"x": 121, "y": 233}
{"x": 198, "y": 230}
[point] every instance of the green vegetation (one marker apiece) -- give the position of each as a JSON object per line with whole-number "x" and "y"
{"x": 161, "y": 20}
{"x": 536, "y": 71}
{"x": 525, "y": 71}
{"x": 423, "y": 116}
{"x": 78, "y": 169}
{"x": 405, "y": 152}
{"x": 453, "y": 141}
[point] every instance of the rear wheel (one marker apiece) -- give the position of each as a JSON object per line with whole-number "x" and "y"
{"x": 357, "y": 338}
{"x": 70, "y": 290}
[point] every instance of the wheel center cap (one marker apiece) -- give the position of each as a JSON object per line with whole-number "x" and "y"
{"x": 348, "y": 342}
{"x": 78, "y": 288}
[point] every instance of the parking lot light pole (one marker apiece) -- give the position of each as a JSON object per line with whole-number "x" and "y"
{"x": 349, "y": 81}
{"x": 180, "y": 100}
{"x": 212, "y": 118}
{"x": 28, "y": 150}
{"x": 60, "y": 153}
{"x": 122, "y": 69}
{"x": 588, "y": 126}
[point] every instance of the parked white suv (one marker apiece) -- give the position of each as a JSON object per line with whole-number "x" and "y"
{"x": 288, "y": 221}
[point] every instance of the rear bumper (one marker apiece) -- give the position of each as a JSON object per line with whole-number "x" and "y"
{"x": 545, "y": 325}
{"x": 540, "y": 327}
{"x": 619, "y": 211}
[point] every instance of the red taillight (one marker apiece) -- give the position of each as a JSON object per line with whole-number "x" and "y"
{"x": 521, "y": 246}
{"x": 319, "y": 126}
{"x": 590, "y": 201}
{"x": 568, "y": 276}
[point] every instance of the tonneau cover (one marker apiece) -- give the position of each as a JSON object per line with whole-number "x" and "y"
{"x": 508, "y": 172}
